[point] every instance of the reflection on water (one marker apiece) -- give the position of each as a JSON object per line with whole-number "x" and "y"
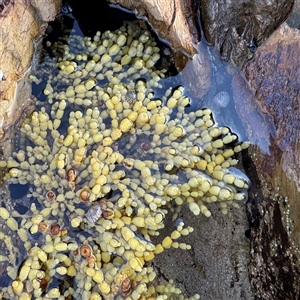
{"x": 219, "y": 97}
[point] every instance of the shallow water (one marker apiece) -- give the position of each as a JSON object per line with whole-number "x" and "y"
{"x": 224, "y": 116}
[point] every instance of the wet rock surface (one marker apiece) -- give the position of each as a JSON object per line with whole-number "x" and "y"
{"x": 273, "y": 208}
{"x": 277, "y": 82}
{"x": 274, "y": 267}
{"x": 216, "y": 266}
{"x": 294, "y": 19}
{"x": 238, "y": 27}
{"x": 258, "y": 125}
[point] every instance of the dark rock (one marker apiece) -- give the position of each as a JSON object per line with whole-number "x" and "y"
{"x": 274, "y": 268}
{"x": 269, "y": 109}
{"x": 294, "y": 19}
{"x": 237, "y": 27}
{"x": 216, "y": 266}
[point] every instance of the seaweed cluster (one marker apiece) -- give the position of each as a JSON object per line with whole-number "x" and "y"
{"x": 107, "y": 154}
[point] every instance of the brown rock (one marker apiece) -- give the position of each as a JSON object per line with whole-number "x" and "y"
{"x": 274, "y": 74}
{"x": 272, "y": 121}
{"x": 21, "y": 28}
{"x": 236, "y": 27}
{"x": 45, "y": 9}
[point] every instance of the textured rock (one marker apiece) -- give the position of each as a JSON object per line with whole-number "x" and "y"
{"x": 236, "y": 27}
{"x": 45, "y": 9}
{"x": 294, "y": 18}
{"x": 275, "y": 76}
{"x": 274, "y": 268}
{"x": 274, "y": 208}
{"x": 216, "y": 266}
{"x": 21, "y": 27}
